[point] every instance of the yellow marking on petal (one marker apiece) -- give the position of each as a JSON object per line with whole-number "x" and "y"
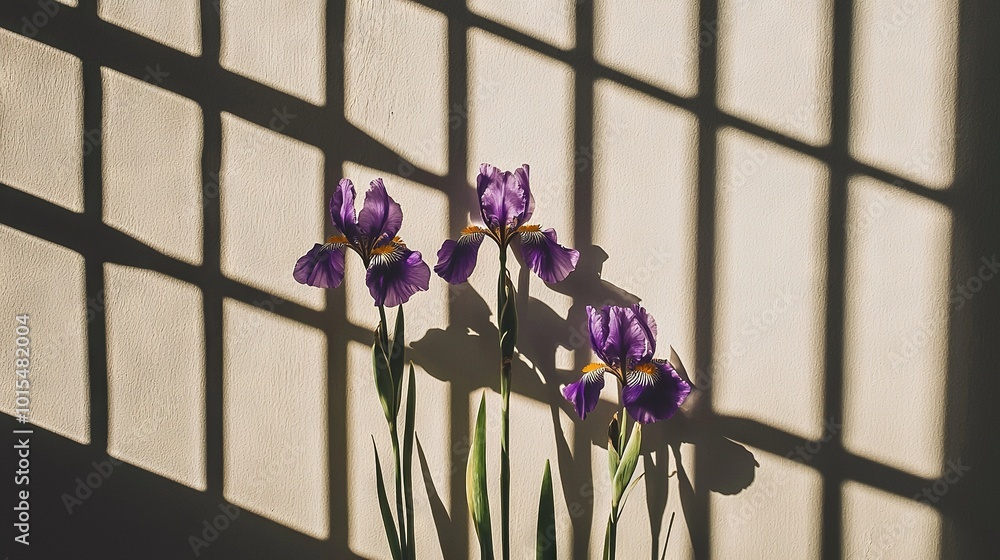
{"x": 342, "y": 239}
{"x": 530, "y": 228}
{"x": 593, "y": 367}
{"x": 469, "y": 230}
{"x": 384, "y": 249}
{"x": 647, "y": 368}
{"x": 397, "y": 240}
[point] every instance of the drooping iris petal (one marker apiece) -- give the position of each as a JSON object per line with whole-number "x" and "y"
{"x": 322, "y": 266}
{"x": 585, "y": 393}
{"x": 545, "y": 256}
{"x": 653, "y": 391}
{"x": 342, "y": 209}
{"x": 457, "y": 259}
{"x": 502, "y": 201}
{"x": 380, "y": 217}
{"x": 395, "y": 274}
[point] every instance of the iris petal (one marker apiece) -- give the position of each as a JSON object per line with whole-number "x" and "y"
{"x": 545, "y": 256}
{"x": 597, "y": 322}
{"x": 322, "y": 266}
{"x": 521, "y": 174}
{"x": 342, "y": 209}
{"x": 646, "y": 326}
{"x": 457, "y": 259}
{"x": 380, "y": 217}
{"x": 396, "y": 274}
{"x": 654, "y": 391}
{"x": 619, "y": 340}
{"x": 502, "y": 200}
{"x": 622, "y": 332}
{"x": 634, "y": 333}
{"x": 585, "y": 393}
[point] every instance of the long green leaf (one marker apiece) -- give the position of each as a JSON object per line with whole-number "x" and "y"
{"x": 383, "y": 378}
{"x": 408, "y": 431}
{"x": 397, "y": 360}
{"x": 383, "y": 504}
{"x": 628, "y": 492}
{"x": 545, "y": 545}
{"x": 630, "y": 457}
{"x": 475, "y": 485}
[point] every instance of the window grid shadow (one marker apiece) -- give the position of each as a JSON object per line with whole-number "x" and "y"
{"x": 80, "y": 32}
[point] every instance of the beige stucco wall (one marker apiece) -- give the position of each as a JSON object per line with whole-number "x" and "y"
{"x": 770, "y": 247}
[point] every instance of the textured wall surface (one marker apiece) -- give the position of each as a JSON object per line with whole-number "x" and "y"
{"x": 781, "y": 184}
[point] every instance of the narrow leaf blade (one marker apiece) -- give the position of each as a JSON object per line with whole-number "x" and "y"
{"x": 545, "y": 545}
{"x": 383, "y": 503}
{"x": 628, "y": 492}
{"x": 630, "y": 457}
{"x": 475, "y": 480}
{"x": 408, "y": 431}
{"x": 383, "y": 379}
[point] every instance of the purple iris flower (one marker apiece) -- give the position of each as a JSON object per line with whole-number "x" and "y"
{"x": 624, "y": 338}
{"x": 394, "y": 272}
{"x": 506, "y": 205}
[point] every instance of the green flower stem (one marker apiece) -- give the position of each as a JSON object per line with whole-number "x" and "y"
{"x": 403, "y": 540}
{"x": 610, "y": 538}
{"x": 505, "y": 367}
{"x": 393, "y": 433}
{"x": 385, "y": 326}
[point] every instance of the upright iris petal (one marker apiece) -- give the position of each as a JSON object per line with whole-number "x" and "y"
{"x": 619, "y": 338}
{"x": 521, "y": 174}
{"x": 597, "y": 324}
{"x": 503, "y": 198}
{"x": 342, "y": 209}
{"x": 626, "y": 333}
{"x": 644, "y": 331}
{"x": 635, "y": 333}
{"x": 545, "y": 257}
{"x": 380, "y": 217}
